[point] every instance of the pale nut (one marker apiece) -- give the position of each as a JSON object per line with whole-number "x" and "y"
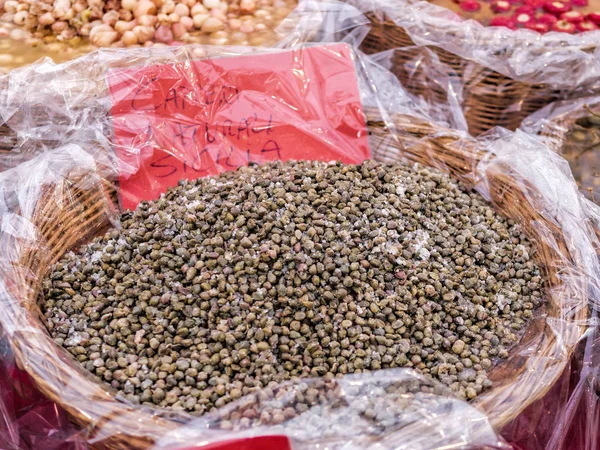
{"x": 11, "y": 6}
{"x": 210, "y": 4}
{"x": 145, "y": 7}
{"x": 110, "y": 18}
{"x": 122, "y": 26}
{"x": 239, "y": 37}
{"x": 188, "y": 23}
{"x": 168, "y": 7}
{"x": 147, "y": 20}
{"x": 19, "y": 17}
{"x": 247, "y": 28}
{"x": 211, "y": 25}
{"x": 199, "y": 19}
{"x": 182, "y": 10}
{"x": 126, "y": 15}
{"x": 234, "y": 24}
{"x": 247, "y": 7}
{"x": 68, "y": 15}
{"x": 129, "y": 38}
{"x": 219, "y": 15}
{"x": 198, "y": 8}
{"x": 85, "y": 29}
{"x": 103, "y": 38}
{"x": 143, "y": 34}
{"x": 46, "y": 19}
{"x": 129, "y": 5}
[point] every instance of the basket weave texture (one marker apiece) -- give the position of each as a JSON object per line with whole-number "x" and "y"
{"x": 74, "y": 211}
{"x": 489, "y": 98}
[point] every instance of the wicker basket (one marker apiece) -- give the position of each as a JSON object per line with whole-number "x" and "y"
{"x": 489, "y": 98}
{"x": 70, "y": 213}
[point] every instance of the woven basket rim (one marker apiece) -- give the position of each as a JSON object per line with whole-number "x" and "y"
{"x": 496, "y": 48}
{"x": 117, "y": 425}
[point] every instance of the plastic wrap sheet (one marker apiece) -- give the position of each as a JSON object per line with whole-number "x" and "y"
{"x": 44, "y": 105}
{"x": 553, "y": 121}
{"x": 559, "y": 125}
{"x": 323, "y": 21}
{"x": 69, "y": 191}
{"x": 552, "y": 125}
{"x": 522, "y": 55}
{"x": 396, "y": 409}
{"x": 28, "y": 420}
{"x": 505, "y": 75}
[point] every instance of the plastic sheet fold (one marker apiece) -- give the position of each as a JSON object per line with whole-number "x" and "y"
{"x": 62, "y": 185}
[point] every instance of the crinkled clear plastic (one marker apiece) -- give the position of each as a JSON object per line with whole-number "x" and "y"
{"x": 552, "y": 126}
{"x": 564, "y": 126}
{"x": 522, "y": 54}
{"x": 396, "y": 409}
{"x": 65, "y": 190}
{"x": 496, "y": 75}
{"x": 553, "y": 121}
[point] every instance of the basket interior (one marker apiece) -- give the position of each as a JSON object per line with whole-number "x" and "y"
{"x": 71, "y": 213}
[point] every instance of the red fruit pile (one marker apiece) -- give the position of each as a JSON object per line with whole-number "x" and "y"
{"x": 537, "y": 15}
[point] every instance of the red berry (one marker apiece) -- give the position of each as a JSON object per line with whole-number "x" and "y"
{"x": 594, "y": 17}
{"x": 536, "y": 26}
{"x": 556, "y": 7}
{"x": 500, "y": 6}
{"x": 547, "y": 19}
{"x": 522, "y": 19}
{"x": 525, "y": 9}
{"x": 586, "y": 26}
{"x": 502, "y": 21}
{"x": 572, "y": 16}
{"x": 470, "y": 5}
{"x": 564, "y": 27}
{"x": 579, "y": 2}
